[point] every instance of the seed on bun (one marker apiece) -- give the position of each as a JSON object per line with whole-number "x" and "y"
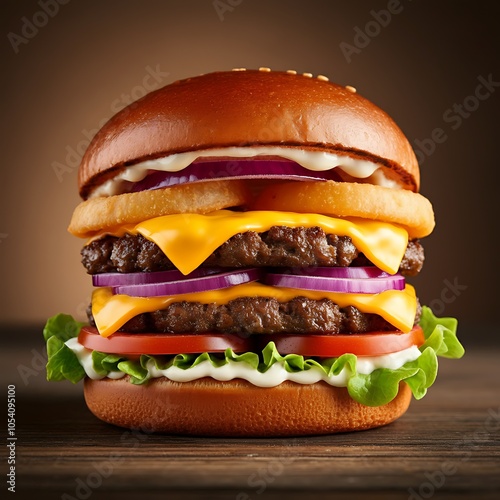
{"x": 263, "y": 108}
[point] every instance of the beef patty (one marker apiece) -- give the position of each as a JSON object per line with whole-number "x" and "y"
{"x": 258, "y": 315}
{"x": 280, "y": 246}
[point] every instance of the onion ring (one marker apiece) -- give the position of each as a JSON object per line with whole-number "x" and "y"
{"x": 410, "y": 210}
{"x": 103, "y": 214}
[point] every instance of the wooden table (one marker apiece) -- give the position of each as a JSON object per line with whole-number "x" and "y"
{"x": 446, "y": 446}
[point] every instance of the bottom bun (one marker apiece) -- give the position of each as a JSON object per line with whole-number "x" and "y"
{"x": 207, "y": 407}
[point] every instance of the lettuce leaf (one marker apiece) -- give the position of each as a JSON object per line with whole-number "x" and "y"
{"x": 62, "y": 363}
{"x": 374, "y": 389}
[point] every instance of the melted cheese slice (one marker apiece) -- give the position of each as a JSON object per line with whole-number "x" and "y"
{"x": 111, "y": 312}
{"x": 189, "y": 239}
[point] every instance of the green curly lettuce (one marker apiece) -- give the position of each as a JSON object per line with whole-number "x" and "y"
{"x": 62, "y": 363}
{"x": 374, "y": 389}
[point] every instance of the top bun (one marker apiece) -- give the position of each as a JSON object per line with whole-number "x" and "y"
{"x": 249, "y": 108}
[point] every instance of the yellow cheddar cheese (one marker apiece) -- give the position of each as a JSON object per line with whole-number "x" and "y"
{"x": 189, "y": 239}
{"x": 111, "y": 312}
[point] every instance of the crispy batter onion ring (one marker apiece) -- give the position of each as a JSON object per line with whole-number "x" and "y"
{"x": 102, "y": 214}
{"x": 348, "y": 199}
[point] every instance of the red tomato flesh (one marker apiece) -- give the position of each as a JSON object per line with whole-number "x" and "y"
{"x": 161, "y": 343}
{"x": 364, "y": 344}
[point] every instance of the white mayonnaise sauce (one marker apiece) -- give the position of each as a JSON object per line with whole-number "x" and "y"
{"x": 312, "y": 160}
{"x": 84, "y": 356}
{"x": 241, "y": 370}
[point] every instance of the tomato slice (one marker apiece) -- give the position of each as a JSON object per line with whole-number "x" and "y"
{"x": 161, "y": 343}
{"x": 363, "y": 344}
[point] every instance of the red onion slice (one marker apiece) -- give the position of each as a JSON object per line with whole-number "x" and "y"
{"x": 122, "y": 279}
{"x": 193, "y": 285}
{"x": 338, "y": 272}
{"x": 233, "y": 169}
{"x": 340, "y": 285}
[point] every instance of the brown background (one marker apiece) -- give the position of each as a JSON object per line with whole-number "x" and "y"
{"x": 88, "y": 59}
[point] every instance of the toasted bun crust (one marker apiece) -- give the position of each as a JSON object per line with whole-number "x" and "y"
{"x": 207, "y": 407}
{"x": 247, "y": 108}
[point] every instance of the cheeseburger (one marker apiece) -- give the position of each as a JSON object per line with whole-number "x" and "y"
{"x": 249, "y": 235}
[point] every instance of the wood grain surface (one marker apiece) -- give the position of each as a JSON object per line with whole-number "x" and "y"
{"x": 446, "y": 446}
